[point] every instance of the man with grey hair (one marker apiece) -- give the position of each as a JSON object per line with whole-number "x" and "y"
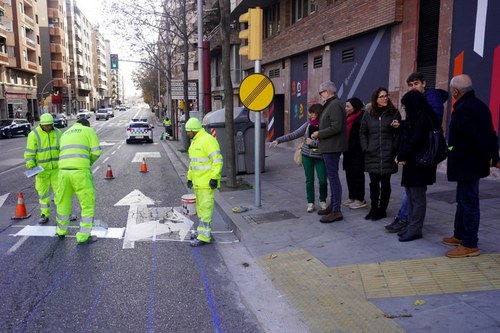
{"x": 332, "y": 135}
{"x": 472, "y": 149}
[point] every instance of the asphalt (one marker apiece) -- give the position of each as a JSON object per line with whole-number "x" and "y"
{"x": 352, "y": 276}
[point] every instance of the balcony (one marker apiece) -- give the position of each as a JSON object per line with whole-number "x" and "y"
{"x": 57, "y": 48}
{"x": 30, "y": 43}
{"x": 56, "y": 65}
{"x": 32, "y": 66}
{"x": 29, "y": 20}
{"x": 4, "y": 58}
{"x": 54, "y": 14}
{"x": 3, "y": 31}
{"x": 29, "y": 2}
{"x": 56, "y": 31}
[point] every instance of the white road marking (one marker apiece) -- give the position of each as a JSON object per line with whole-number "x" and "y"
{"x": 104, "y": 143}
{"x": 104, "y": 161}
{"x": 138, "y": 156}
{"x": 96, "y": 168}
{"x": 3, "y": 198}
{"x": 50, "y": 231}
{"x": 17, "y": 245}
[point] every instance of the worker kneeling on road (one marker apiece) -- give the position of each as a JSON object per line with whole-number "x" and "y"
{"x": 79, "y": 150}
{"x": 42, "y": 149}
{"x": 205, "y": 166}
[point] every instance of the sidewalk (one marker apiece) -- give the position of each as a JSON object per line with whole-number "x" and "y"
{"x": 352, "y": 276}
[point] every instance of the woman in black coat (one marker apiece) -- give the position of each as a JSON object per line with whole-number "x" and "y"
{"x": 420, "y": 120}
{"x": 354, "y": 158}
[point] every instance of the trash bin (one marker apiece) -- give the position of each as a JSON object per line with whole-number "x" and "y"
{"x": 244, "y": 138}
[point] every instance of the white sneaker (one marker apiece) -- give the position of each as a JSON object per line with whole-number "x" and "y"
{"x": 323, "y": 205}
{"x": 357, "y": 204}
{"x": 310, "y": 207}
{"x": 348, "y": 202}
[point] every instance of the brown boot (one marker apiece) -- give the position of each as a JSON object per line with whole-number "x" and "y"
{"x": 332, "y": 217}
{"x": 326, "y": 211}
{"x": 452, "y": 241}
{"x": 462, "y": 252}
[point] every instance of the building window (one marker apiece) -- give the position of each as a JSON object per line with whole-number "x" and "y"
{"x": 302, "y": 8}
{"x": 272, "y": 20}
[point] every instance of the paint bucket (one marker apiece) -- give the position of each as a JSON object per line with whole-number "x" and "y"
{"x": 188, "y": 204}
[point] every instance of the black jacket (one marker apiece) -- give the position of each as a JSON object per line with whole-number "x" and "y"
{"x": 472, "y": 143}
{"x": 354, "y": 158}
{"x": 420, "y": 120}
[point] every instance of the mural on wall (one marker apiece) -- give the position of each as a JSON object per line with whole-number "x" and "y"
{"x": 275, "y": 118}
{"x": 298, "y": 99}
{"x": 361, "y": 64}
{"x": 475, "y": 50}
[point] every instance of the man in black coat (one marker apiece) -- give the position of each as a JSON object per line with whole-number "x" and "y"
{"x": 473, "y": 148}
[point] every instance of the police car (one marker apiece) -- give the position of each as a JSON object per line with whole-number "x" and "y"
{"x": 139, "y": 131}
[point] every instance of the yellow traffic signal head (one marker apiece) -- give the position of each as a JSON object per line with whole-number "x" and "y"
{"x": 253, "y": 34}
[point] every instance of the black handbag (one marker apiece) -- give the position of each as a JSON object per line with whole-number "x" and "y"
{"x": 435, "y": 151}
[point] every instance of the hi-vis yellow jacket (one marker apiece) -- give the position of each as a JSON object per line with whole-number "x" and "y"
{"x": 205, "y": 160}
{"x": 79, "y": 148}
{"x": 42, "y": 148}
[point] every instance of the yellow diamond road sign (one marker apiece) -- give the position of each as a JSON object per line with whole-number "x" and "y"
{"x": 256, "y": 92}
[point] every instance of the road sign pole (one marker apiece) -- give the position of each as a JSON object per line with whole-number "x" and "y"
{"x": 257, "y": 147}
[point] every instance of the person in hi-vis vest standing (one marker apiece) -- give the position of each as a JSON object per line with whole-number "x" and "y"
{"x": 205, "y": 166}
{"x": 42, "y": 149}
{"x": 79, "y": 150}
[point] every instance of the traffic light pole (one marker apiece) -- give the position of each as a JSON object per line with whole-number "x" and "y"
{"x": 257, "y": 147}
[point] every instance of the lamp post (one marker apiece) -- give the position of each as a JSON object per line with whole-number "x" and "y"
{"x": 68, "y": 112}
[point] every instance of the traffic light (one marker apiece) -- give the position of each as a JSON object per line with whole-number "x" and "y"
{"x": 114, "y": 61}
{"x": 253, "y": 34}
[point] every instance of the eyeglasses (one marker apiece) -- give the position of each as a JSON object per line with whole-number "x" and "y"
{"x": 322, "y": 91}
{"x": 383, "y": 96}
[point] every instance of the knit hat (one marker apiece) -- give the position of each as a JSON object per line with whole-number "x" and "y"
{"x": 193, "y": 125}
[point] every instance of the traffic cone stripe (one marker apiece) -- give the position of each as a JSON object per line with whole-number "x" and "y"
{"x": 144, "y": 167}
{"x": 21, "y": 212}
{"x": 109, "y": 173}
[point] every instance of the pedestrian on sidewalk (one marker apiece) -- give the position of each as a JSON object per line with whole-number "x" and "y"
{"x": 312, "y": 158}
{"x": 332, "y": 136}
{"x": 354, "y": 159}
{"x": 42, "y": 149}
{"x": 436, "y": 99}
{"x": 420, "y": 120}
{"x": 472, "y": 149}
{"x": 379, "y": 141}
{"x": 79, "y": 150}
{"x": 205, "y": 167}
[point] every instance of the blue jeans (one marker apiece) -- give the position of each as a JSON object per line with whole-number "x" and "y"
{"x": 332, "y": 171}
{"x": 403, "y": 211}
{"x": 467, "y": 214}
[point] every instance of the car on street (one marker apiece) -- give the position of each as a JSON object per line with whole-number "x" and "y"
{"x": 11, "y": 127}
{"x": 139, "y": 131}
{"x": 60, "y": 120}
{"x": 84, "y": 113}
{"x": 102, "y": 114}
{"x": 139, "y": 119}
{"x": 111, "y": 113}
{"x": 122, "y": 108}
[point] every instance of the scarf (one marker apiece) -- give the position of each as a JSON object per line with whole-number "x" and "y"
{"x": 350, "y": 121}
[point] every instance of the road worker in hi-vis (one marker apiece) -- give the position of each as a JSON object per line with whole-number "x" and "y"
{"x": 205, "y": 166}
{"x": 79, "y": 150}
{"x": 42, "y": 149}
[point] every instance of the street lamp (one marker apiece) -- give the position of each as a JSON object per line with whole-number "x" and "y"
{"x": 68, "y": 112}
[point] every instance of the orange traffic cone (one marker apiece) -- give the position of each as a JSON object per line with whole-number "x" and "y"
{"x": 109, "y": 173}
{"x": 144, "y": 167}
{"x": 20, "y": 209}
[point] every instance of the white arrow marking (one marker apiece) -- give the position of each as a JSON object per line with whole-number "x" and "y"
{"x": 138, "y": 156}
{"x": 138, "y": 204}
{"x": 3, "y": 198}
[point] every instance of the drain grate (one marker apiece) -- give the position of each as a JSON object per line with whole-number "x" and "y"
{"x": 449, "y": 196}
{"x": 270, "y": 217}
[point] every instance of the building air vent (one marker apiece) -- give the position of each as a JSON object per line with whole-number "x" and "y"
{"x": 318, "y": 62}
{"x": 274, "y": 73}
{"x": 348, "y": 55}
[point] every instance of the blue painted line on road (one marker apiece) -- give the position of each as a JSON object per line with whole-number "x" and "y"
{"x": 100, "y": 291}
{"x": 207, "y": 290}
{"x": 152, "y": 289}
{"x": 60, "y": 279}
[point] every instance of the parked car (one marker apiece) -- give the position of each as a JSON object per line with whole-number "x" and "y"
{"x": 84, "y": 113}
{"x": 139, "y": 131}
{"x": 111, "y": 113}
{"x": 122, "y": 108}
{"x": 60, "y": 120}
{"x": 11, "y": 127}
{"x": 102, "y": 114}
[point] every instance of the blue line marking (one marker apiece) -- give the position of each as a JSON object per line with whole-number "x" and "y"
{"x": 207, "y": 290}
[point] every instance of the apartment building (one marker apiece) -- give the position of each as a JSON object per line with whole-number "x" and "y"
{"x": 361, "y": 45}
{"x": 20, "y": 59}
{"x": 99, "y": 65}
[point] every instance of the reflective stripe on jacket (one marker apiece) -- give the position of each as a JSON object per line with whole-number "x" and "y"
{"x": 42, "y": 148}
{"x": 205, "y": 160}
{"x": 79, "y": 148}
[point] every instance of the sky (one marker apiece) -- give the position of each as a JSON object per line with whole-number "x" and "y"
{"x": 93, "y": 10}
